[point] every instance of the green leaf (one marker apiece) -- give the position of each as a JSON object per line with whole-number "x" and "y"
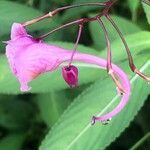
{"x": 11, "y": 12}
{"x": 52, "y": 105}
{"x": 12, "y": 142}
{"x": 134, "y": 5}
{"x": 147, "y": 11}
{"x": 98, "y": 35}
{"x": 139, "y": 43}
{"x": 74, "y": 130}
{"x": 45, "y": 5}
{"x": 11, "y": 118}
{"x": 53, "y": 81}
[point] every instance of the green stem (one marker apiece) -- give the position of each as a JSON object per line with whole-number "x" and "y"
{"x": 140, "y": 142}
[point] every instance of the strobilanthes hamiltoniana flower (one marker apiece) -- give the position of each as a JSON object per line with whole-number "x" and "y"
{"x": 29, "y": 57}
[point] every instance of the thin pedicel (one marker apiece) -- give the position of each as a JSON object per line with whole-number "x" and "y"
{"x": 109, "y": 61}
{"x": 56, "y": 11}
{"x": 76, "y": 43}
{"x": 70, "y": 72}
{"x": 131, "y": 62}
{"x": 78, "y": 21}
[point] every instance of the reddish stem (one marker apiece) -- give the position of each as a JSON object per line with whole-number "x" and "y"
{"x": 56, "y": 11}
{"x": 78, "y": 21}
{"x": 61, "y": 27}
{"x": 131, "y": 62}
{"x": 81, "y": 20}
{"x": 76, "y": 44}
{"x": 109, "y": 62}
{"x": 109, "y": 66}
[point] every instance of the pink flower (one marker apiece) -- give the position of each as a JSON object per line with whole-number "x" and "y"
{"x": 28, "y": 58}
{"x": 70, "y": 75}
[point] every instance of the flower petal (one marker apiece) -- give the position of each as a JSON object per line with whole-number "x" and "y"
{"x": 17, "y": 30}
{"x": 70, "y": 75}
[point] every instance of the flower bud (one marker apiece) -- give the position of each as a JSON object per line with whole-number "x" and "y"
{"x": 70, "y": 75}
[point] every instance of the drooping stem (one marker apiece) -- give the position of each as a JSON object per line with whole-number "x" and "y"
{"x": 35, "y": 20}
{"x": 131, "y": 62}
{"x": 76, "y": 43}
{"x": 124, "y": 42}
{"x": 109, "y": 61}
{"x": 79, "y": 21}
{"x": 140, "y": 142}
{"x": 56, "y": 11}
{"x": 78, "y": 5}
{"x": 109, "y": 66}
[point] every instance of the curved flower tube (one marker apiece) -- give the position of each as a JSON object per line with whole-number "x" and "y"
{"x": 28, "y": 58}
{"x": 122, "y": 76}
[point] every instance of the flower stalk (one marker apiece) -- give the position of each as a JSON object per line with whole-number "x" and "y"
{"x": 58, "y": 10}
{"x": 80, "y": 21}
{"x": 76, "y": 43}
{"x": 131, "y": 62}
{"x": 109, "y": 57}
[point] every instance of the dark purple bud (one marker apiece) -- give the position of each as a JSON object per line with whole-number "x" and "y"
{"x": 70, "y": 75}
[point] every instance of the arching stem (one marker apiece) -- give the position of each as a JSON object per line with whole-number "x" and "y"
{"x": 131, "y": 62}
{"x": 80, "y": 21}
{"x": 109, "y": 58}
{"x": 56, "y": 11}
{"x": 76, "y": 43}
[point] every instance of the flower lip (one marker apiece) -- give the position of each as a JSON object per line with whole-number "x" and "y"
{"x": 28, "y": 58}
{"x": 17, "y": 30}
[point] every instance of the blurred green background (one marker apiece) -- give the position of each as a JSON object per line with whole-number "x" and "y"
{"x": 63, "y": 115}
